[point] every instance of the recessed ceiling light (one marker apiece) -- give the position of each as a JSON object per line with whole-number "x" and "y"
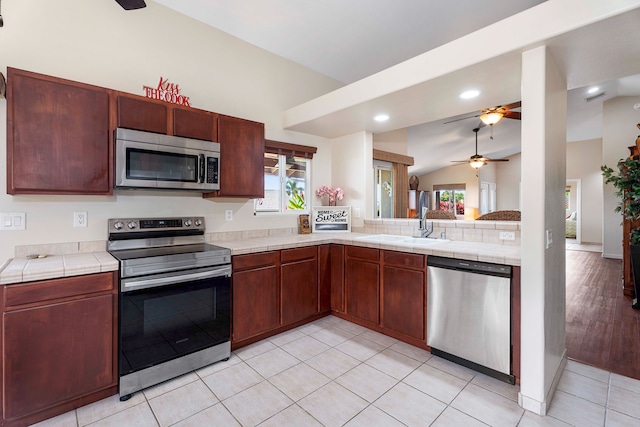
{"x": 381, "y": 118}
{"x": 469, "y": 94}
{"x": 594, "y": 89}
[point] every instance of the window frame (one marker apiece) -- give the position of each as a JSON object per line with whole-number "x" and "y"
{"x": 284, "y": 150}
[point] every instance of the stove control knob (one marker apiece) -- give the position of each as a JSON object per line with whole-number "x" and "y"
{"x": 132, "y": 225}
{"x": 118, "y": 225}
{"x": 198, "y": 223}
{"x": 187, "y": 223}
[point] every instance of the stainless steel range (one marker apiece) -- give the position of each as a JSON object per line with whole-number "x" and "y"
{"x": 175, "y": 306}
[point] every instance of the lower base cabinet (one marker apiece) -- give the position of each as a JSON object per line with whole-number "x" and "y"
{"x": 60, "y": 348}
{"x": 403, "y": 301}
{"x": 254, "y": 294}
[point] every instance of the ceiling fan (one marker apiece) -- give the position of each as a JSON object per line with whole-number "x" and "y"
{"x": 492, "y": 115}
{"x": 477, "y": 161}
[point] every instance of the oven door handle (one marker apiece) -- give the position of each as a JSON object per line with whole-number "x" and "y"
{"x": 128, "y": 285}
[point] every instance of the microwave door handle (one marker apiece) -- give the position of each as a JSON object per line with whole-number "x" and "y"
{"x": 201, "y": 168}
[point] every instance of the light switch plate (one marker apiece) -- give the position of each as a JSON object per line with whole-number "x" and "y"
{"x": 549, "y": 238}
{"x": 13, "y": 221}
{"x": 507, "y": 235}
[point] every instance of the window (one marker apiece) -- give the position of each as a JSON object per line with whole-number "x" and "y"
{"x": 286, "y": 178}
{"x": 450, "y": 198}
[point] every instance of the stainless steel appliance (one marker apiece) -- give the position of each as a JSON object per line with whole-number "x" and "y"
{"x": 149, "y": 160}
{"x": 469, "y": 314}
{"x": 174, "y": 299}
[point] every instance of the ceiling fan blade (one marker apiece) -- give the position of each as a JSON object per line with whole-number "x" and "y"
{"x": 496, "y": 160}
{"x": 512, "y": 115}
{"x": 464, "y": 118}
{"x": 460, "y": 161}
{"x": 512, "y": 105}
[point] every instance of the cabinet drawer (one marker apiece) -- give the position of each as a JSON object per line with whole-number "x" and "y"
{"x": 243, "y": 262}
{"x": 289, "y": 255}
{"x": 403, "y": 259}
{"x": 370, "y": 254}
{"x": 46, "y": 290}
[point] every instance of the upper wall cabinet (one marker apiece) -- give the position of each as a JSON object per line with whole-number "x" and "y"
{"x": 241, "y": 158}
{"x": 138, "y": 113}
{"x": 57, "y": 136}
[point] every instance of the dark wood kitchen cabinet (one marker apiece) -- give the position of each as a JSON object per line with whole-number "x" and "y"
{"x": 404, "y": 287}
{"x": 140, "y": 113}
{"x": 362, "y": 283}
{"x": 298, "y": 284}
{"x": 241, "y": 158}
{"x": 150, "y": 115}
{"x": 337, "y": 278}
{"x": 58, "y": 139}
{"x": 255, "y": 294}
{"x": 60, "y": 346}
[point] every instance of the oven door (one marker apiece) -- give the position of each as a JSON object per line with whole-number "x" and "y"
{"x": 146, "y": 165}
{"x": 167, "y": 316}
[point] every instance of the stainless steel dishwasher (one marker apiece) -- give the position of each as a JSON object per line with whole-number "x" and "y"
{"x": 469, "y": 314}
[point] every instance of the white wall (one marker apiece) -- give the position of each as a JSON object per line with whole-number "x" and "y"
{"x": 618, "y": 132}
{"x": 584, "y": 159}
{"x": 508, "y": 183}
{"x": 393, "y": 142}
{"x": 544, "y": 100}
{"x": 101, "y": 44}
{"x": 352, "y": 170}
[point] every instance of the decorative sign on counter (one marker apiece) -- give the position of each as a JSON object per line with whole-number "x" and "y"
{"x": 168, "y": 92}
{"x": 331, "y": 218}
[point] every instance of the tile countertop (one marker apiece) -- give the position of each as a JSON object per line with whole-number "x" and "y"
{"x": 18, "y": 270}
{"x": 485, "y": 252}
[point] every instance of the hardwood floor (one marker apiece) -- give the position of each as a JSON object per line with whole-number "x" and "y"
{"x": 602, "y": 328}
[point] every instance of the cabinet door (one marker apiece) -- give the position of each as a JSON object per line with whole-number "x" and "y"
{"x": 136, "y": 112}
{"x": 362, "y": 285}
{"x": 195, "y": 124}
{"x": 57, "y": 136}
{"x": 57, "y": 352}
{"x": 403, "y": 301}
{"x": 241, "y": 157}
{"x": 255, "y": 302}
{"x": 324, "y": 278}
{"x": 299, "y": 290}
{"x": 337, "y": 278}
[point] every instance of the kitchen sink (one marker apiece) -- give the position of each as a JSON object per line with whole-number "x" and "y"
{"x": 403, "y": 240}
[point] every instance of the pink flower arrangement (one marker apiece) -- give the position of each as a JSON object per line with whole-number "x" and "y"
{"x": 333, "y": 195}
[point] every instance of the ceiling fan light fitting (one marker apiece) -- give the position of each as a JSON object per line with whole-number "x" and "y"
{"x": 477, "y": 164}
{"x": 491, "y": 118}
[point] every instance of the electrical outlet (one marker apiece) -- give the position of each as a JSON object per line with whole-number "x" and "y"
{"x": 356, "y": 212}
{"x": 228, "y": 215}
{"x": 80, "y": 219}
{"x": 507, "y": 235}
{"x": 13, "y": 221}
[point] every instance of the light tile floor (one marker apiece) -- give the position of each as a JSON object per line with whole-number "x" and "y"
{"x": 334, "y": 373}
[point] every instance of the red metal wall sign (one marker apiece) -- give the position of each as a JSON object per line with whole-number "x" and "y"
{"x": 168, "y": 92}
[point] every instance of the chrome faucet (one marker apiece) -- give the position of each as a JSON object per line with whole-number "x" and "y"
{"x": 426, "y": 228}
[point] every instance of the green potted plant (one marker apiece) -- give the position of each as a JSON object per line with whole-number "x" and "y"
{"x": 627, "y": 183}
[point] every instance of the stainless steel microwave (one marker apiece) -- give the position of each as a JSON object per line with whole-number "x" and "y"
{"x": 150, "y": 160}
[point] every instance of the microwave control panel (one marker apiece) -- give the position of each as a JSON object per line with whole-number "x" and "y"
{"x": 212, "y": 170}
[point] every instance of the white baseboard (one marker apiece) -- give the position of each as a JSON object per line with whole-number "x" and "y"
{"x": 542, "y": 407}
{"x": 612, "y": 256}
